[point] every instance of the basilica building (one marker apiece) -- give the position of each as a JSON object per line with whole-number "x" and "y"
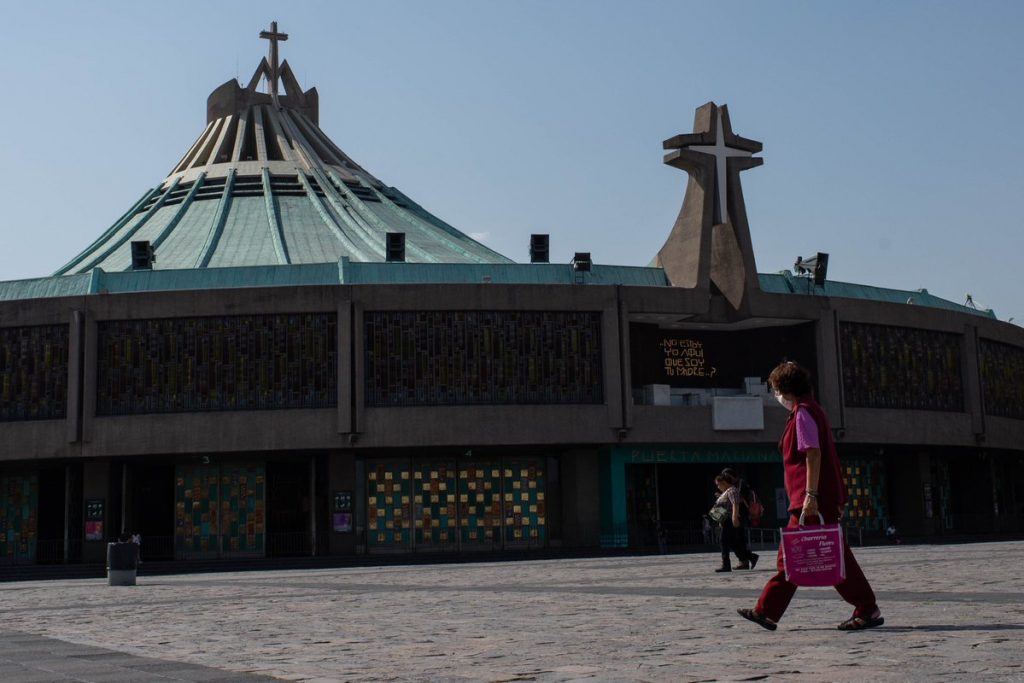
{"x": 273, "y": 352}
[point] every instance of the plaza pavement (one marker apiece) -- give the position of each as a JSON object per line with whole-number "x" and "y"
{"x": 953, "y": 613}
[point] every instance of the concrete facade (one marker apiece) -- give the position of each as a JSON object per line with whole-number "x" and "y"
{"x": 593, "y": 487}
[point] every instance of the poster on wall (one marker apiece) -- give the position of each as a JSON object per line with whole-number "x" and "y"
{"x": 341, "y": 518}
{"x": 342, "y": 522}
{"x": 94, "y": 519}
{"x": 94, "y": 509}
{"x": 343, "y": 501}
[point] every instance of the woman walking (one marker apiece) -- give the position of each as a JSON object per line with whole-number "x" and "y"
{"x": 815, "y": 485}
{"x": 734, "y": 537}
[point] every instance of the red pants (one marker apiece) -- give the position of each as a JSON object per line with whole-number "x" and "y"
{"x": 855, "y": 589}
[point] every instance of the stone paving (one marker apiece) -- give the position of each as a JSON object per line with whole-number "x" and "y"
{"x": 953, "y": 613}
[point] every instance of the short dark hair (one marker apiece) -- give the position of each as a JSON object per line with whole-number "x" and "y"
{"x": 727, "y": 478}
{"x": 791, "y": 378}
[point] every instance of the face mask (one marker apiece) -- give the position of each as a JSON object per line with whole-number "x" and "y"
{"x": 785, "y": 402}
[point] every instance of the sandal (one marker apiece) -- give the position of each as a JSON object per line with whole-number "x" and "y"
{"x": 860, "y": 623}
{"x": 758, "y": 619}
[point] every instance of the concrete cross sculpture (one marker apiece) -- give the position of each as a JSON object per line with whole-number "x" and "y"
{"x": 710, "y": 241}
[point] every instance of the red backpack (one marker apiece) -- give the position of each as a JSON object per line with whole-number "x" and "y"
{"x": 755, "y": 507}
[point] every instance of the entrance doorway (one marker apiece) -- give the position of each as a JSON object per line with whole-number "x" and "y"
{"x": 151, "y": 505}
{"x": 289, "y": 530}
{"x": 667, "y": 501}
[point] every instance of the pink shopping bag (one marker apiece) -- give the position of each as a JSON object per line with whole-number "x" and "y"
{"x": 813, "y": 555}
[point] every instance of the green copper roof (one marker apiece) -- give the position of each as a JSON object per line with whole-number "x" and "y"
{"x": 787, "y": 283}
{"x": 343, "y": 272}
{"x": 498, "y": 273}
{"x": 263, "y": 185}
{"x": 349, "y": 272}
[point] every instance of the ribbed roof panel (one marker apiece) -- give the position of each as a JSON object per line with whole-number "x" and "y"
{"x": 180, "y": 248}
{"x": 305, "y": 233}
{"x": 246, "y": 240}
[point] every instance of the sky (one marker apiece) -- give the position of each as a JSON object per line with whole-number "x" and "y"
{"x": 891, "y": 130}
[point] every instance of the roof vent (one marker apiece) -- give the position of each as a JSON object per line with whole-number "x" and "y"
{"x": 395, "y": 247}
{"x": 539, "y": 252}
{"x": 143, "y": 256}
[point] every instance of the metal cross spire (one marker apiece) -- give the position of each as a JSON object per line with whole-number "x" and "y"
{"x": 273, "y": 36}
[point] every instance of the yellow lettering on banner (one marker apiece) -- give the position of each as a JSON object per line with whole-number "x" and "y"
{"x": 685, "y": 358}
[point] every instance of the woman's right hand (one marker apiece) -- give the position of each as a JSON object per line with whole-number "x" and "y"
{"x": 810, "y": 507}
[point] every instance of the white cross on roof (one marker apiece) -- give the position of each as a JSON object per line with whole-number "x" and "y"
{"x": 721, "y": 152}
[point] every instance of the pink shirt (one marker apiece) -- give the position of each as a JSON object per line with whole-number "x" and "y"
{"x": 806, "y": 431}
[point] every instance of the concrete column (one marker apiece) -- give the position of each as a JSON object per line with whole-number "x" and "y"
{"x": 312, "y": 505}
{"x": 96, "y": 486}
{"x": 76, "y": 342}
{"x": 829, "y": 379}
{"x": 341, "y": 476}
{"x": 626, "y": 370}
{"x": 930, "y": 504}
{"x": 612, "y": 362}
{"x": 358, "y": 369}
{"x": 345, "y": 369}
{"x": 91, "y": 341}
{"x": 581, "y": 521}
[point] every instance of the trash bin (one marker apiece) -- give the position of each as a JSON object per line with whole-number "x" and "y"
{"x": 122, "y": 563}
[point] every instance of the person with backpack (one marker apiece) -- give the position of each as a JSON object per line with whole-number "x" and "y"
{"x": 734, "y": 534}
{"x": 755, "y": 509}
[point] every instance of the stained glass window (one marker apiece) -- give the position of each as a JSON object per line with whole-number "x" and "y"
{"x": 219, "y": 511}
{"x": 33, "y": 373}
{"x": 19, "y": 509}
{"x": 867, "y": 504}
{"x": 900, "y": 367}
{"x": 446, "y": 504}
{"x": 1002, "y": 379}
{"x": 250, "y": 362}
{"x": 483, "y": 357}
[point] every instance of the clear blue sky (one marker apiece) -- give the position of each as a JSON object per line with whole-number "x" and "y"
{"x": 892, "y": 131}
